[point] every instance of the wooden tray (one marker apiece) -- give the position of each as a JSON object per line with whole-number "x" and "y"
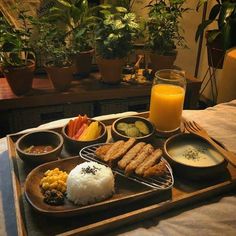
{"x": 183, "y": 193}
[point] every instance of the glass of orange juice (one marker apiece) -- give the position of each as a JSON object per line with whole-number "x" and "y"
{"x": 167, "y": 100}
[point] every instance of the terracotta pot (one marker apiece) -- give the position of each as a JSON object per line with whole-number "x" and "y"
{"x": 20, "y": 79}
{"x": 215, "y": 52}
{"x": 110, "y": 69}
{"x": 83, "y": 62}
{"x": 159, "y": 62}
{"x": 60, "y": 77}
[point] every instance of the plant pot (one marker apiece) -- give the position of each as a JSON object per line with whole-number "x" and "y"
{"x": 110, "y": 69}
{"x": 20, "y": 79}
{"x": 83, "y": 62}
{"x": 60, "y": 77}
{"x": 215, "y": 51}
{"x": 159, "y": 62}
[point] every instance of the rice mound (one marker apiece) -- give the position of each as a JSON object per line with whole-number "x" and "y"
{"x": 90, "y": 182}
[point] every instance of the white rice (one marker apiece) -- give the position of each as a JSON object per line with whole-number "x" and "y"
{"x": 89, "y": 182}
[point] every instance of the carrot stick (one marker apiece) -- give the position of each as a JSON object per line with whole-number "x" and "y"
{"x": 74, "y": 126}
{"x": 80, "y": 131}
{"x": 69, "y": 128}
{"x": 78, "y": 123}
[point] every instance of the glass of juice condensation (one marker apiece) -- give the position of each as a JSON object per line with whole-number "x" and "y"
{"x": 167, "y": 100}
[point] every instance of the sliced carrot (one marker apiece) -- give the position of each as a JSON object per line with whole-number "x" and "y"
{"x": 78, "y": 123}
{"x": 69, "y": 128}
{"x": 85, "y": 119}
{"x": 80, "y": 131}
{"x": 74, "y": 126}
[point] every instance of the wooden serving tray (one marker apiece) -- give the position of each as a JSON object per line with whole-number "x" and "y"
{"x": 184, "y": 192}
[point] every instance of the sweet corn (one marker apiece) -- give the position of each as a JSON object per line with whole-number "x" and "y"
{"x": 54, "y": 179}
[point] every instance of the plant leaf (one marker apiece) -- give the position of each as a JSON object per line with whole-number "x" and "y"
{"x": 121, "y": 9}
{"x": 214, "y": 12}
{"x": 226, "y": 34}
{"x": 227, "y": 9}
{"x": 64, "y": 3}
{"x": 212, "y": 35}
{"x": 201, "y": 28}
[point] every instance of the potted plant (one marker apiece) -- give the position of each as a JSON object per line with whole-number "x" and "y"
{"x": 164, "y": 32}
{"x": 78, "y": 21}
{"x": 58, "y": 55}
{"x": 223, "y": 37}
{"x": 115, "y": 31}
{"x": 16, "y": 55}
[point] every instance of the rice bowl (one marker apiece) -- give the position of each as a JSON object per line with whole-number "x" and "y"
{"x": 90, "y": 182}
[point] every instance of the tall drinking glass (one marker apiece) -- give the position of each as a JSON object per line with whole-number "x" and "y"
{"x": 167, "y": 100}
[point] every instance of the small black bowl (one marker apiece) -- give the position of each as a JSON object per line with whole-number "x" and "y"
{"x": 190, "y": 170}
{"x": 39, "y": 138}
{"x": 73, "y": 146}
{"x": 117, "y": 135}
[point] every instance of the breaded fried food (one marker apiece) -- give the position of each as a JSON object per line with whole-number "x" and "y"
{"x": 156, "y": 170}
{"x": 123, "y": 148}
{"x": 130, "y": 155}
{"x": 145, "y": 152}
{"x": 102, "y": 150}
{"x": 149, "y": 162}
{"x": 113, "y": 150}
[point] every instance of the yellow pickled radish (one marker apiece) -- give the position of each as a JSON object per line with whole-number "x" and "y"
{"x": 91, "y": 132}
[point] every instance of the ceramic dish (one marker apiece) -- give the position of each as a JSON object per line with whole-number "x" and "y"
{"x": 130, "y": 120}
{"x": 192, "y": 157}
{"x": 39, "y": 139}
{"x": 126, "y": 191}
{"x": 74, "y": 146}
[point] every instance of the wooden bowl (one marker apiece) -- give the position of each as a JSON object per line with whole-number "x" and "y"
{"x": 73, "y": 146}
{"x": 193, "y": 158}
{"x": 39, "y": 138}
{"x": 118, "y": 135}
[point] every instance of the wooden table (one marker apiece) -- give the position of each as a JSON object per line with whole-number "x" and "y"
{"x": 86, "y": 96}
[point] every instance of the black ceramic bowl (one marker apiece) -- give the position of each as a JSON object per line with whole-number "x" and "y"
{"x": 39, "y": 138}
{"x": 118, "y": 135}
{"x": 73, "y": 146}
{"x": 193, "y": 158}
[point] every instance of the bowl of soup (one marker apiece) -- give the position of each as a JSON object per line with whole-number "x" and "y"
{"x": 38, "y": 147}
{"x": 192, "y": 157}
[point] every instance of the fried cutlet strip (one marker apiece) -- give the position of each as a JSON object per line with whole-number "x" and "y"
{"x": 130, "y": 155}
{"x": 102, "y": 150}
{"x": 121, "y": 151}
{"x": 156, "y": 170}
{"x": 113, "y": 150}
{"x": 149, "y": 162}
{"x": 145, "y": 152}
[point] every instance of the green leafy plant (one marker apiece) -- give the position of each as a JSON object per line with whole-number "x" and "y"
{"x": 50, "y": 42}
{"x": 128, "y": 4}
{"x": 224, "y": 14}
{"x": 15, "y": 47}
{"x": 115, "y": 31}
{"x": 163, "y": 26}
{"x": 78, "y": 21}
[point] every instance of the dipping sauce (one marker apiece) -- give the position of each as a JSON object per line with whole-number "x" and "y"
{"x": 195, "y": 153}
{"x": 38, "y": 149}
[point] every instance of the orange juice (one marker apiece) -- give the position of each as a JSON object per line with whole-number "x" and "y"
{"x": 166, "y": 106}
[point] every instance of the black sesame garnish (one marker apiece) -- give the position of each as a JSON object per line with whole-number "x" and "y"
{"x": 90, "y": 170}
